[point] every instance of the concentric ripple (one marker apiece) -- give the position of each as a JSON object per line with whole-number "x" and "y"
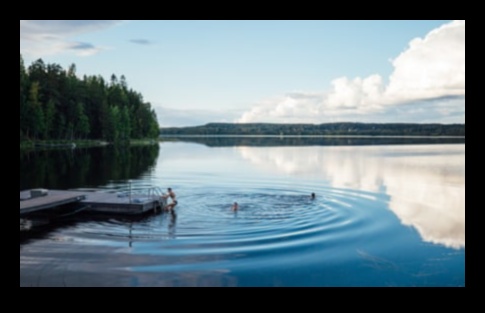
{"x": 272, "y": 226}
{"x": 278, "y": 237}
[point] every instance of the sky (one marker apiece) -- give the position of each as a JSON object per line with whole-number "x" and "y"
{"x": 289, "y": 71}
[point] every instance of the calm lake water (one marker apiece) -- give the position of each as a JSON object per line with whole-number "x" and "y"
{"x": 385, "y": 214}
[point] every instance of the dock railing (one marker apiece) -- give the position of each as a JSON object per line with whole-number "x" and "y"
{"x": 151, "y": 192}
{"x": 135, "y": 193}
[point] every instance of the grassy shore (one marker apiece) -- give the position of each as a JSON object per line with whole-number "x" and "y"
{"x": 140, "y": 142}
{"x": 80, "y": 143}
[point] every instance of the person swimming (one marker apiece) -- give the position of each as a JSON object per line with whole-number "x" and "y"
{"x": 312, "y": 196}
{"x": 235, "y": 207}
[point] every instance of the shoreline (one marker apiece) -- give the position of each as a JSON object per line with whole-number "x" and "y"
{"x": 312, "y": 136}
{"x": 71, "y": 144}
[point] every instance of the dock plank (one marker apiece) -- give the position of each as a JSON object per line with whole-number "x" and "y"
{"x": 96, "y": 201}
{"x": 53, "y": 199}
{"x": 113, "y": 203}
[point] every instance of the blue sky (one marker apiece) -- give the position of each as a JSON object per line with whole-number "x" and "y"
{"x": 195, "y": 72}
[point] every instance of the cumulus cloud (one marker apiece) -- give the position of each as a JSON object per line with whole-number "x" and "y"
{"x": 430, "y": 68}
{"x": 294, "y": 107}
{"x": 358, "y": 94}
{"x": 39, "y": 38}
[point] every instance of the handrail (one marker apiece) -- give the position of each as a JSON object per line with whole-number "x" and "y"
{"x": 148, "y": 191}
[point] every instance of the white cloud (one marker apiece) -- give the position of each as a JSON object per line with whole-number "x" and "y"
{"x": 39, "y": 38}
{"x": 430, "y": 68}
{"x": 296, "y": 107}
{"x": 359, "y": 94}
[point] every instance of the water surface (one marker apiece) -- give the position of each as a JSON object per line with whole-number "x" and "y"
{"x": 384, "y": 215}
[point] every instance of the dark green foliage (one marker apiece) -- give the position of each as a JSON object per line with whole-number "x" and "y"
{"x": 68, "y": 168}
{"x": 276, "y": 141}
{"x": 335, "y": 129}
{"x": 56, "y": 104}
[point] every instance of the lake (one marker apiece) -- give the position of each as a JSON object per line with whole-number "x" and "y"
{"x": 386, "y": 213}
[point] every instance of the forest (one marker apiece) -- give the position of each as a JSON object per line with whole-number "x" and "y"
{"x": 331, "y": 129}
{"x": 55, "y": 104}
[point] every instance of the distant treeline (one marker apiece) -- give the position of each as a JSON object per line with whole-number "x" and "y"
{"x": 56, "y": 104}
{"x": 266, "y": 141}
{"x": 357, "y": 129}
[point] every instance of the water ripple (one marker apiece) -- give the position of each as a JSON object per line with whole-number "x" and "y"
{"x": 363, "y": 232}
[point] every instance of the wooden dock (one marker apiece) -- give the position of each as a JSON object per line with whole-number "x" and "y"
{"x": 55, "y": 198}
{"x": 121, "y": 203}
{"x": 95, "y": 201}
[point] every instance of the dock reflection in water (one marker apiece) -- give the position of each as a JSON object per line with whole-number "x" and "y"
{"x": 386, "y": 215}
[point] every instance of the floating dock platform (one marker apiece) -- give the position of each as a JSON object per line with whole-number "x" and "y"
{"x": 30, "y": 202}
{"x": 41, "y": 200}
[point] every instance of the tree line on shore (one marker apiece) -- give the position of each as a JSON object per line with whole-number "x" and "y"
{"x": 347, "y": 129}
{"x": 57, "y": 105}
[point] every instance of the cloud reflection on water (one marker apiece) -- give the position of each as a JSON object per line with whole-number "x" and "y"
{"x": 425, "y": 183}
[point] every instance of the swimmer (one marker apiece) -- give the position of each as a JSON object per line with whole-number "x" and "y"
{"x": 172, "y": 196}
